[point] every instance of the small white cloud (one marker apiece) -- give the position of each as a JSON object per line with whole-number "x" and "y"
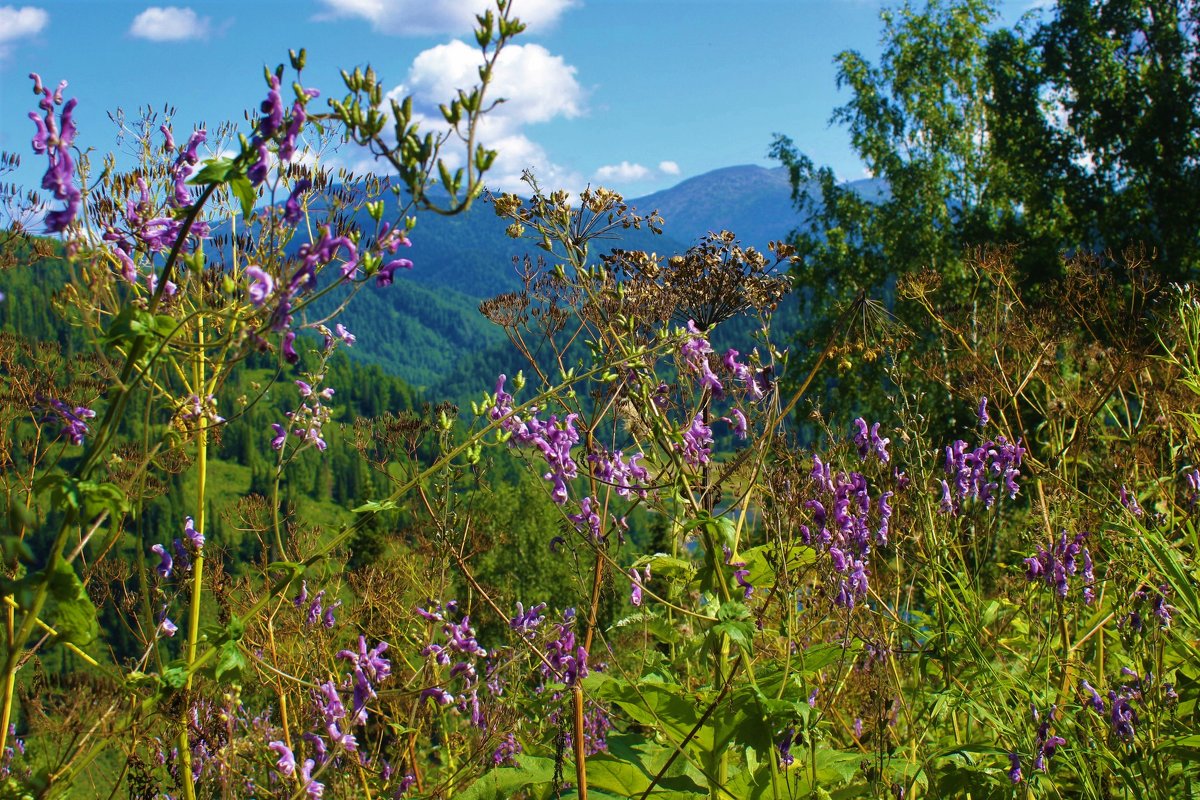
{"x": 621, "y": 173}
{"x": 424, "y": 18}
{"x": 668, "y": 168}
{"x": 169, "y": 24}
{"x": 17, "y": 23}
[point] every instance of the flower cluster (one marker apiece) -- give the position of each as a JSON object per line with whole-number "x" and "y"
{"x": 463, "y": 654}
{"x": 10, "y": 753}
{"x": 314, "y": 610}
{"x": 1046, "y": 743}
{"x": 184, "y": 549}
{"x": 1119, "y": 712}
{"x": 870, "y": 442}
{"x": 846, "y": 523}
{"x": 981, "y": 474}
{"x": 274, "y": 122}
{"x": 553, "y": 437}
{"x": 1062, "y": 561}
{"x": 307, "y": 421}
{"x": 1159, "y": 607}
{"x": 72, "y": 419}
{"x": 54, "y": 138}
{"x": 566, "y": 659}
{"x": 625, "y": 474}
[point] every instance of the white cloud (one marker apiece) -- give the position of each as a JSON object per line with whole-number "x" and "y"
{"x": 536, "y": 86}
{"x": 16, "y": 23}
{"x": 424, "y": 18}
{"x": 668, "y": 168}
{"x": 169, "y": 24}
{"x": 621, "y": 173}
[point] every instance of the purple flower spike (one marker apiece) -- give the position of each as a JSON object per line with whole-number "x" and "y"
{"x": 54, "y": 138}
{"x": 982, "y": 413}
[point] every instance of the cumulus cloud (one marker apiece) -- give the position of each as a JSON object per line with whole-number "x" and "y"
{"x": 668, "y": 168}
{"x": 17, "y": 23}
{"x": 169, "y": 24}
{"x": 536, "y": 85}
{"x": 621, "y": 173}
{"x": 424, "y": 18}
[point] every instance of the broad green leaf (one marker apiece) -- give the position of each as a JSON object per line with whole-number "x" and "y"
{"x": 74, "y": 616}
{"x": 244, "y": 191}
{"x": 215, "y": 170}
{"x": 503, "y": 783}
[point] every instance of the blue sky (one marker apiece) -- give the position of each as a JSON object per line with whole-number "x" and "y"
{"x": 632, "y": 94}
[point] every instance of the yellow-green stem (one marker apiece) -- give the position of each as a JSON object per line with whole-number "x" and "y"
{"x": 185, "y": 751}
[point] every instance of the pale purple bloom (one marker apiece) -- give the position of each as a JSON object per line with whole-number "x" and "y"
{"x": 982, "y": 413}
{"x": 697, "y": 443}
{"x": 328, "y": 619}
{"x": 346, "y": 336}
{"x": 194, "y": 538}
{"x": 280, "y": 436}
{"x": 262, "y": 285}
{"x": 386, "y": 273}
{"x": 291, "y": 209}
{"x": 287, "y": 761}
{"x": 738, "y": 420}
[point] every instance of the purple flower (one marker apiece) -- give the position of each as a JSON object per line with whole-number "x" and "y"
{"x": 507, "y": 751}
{"x": 982, "y": 413}
{"x": 182, "y": 168}
{"x": 1014, "y": 769}
{"x": 289, "y": 349}
{"x": 786, "y": 759}
{"x": 291, "y": 209}
{"x": 697, "y": 443}
{"x": 74, "y": 427}
{"x": 1094, "y": 699}
{"x": 328, "y": 619}
{"x": 635, "y": 594}
{"x": 194, "y": 538}
{"x": 261, "y": 286}
{"x": 346, "y": 336}
{"x": 164, "y": 561}
{"x": 287, "y": 761}
{"x": 738, "y": 420}
{"x": 525, "y": 622}
{"x": 1129, "y": 501}
{"x": 54, "y": 138}
{"x": 386, "y": 273}
{"x": 280, "y": 436}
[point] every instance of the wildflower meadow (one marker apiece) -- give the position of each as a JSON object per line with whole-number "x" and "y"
{"x": 940, "y": 544}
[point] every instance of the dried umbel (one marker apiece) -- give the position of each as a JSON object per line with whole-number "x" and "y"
{"x": 710, "y": 283}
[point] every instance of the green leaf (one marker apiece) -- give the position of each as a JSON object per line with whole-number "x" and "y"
{"x": 623, "y": 778}
{"x": 244, "y": 191}
{"x": 376, "y": 505}
{"x": 74, "y": 615}
{"x": 229, "y": 662}
{"x": 503, "y": 783}
{"x": 215, "y": 170}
